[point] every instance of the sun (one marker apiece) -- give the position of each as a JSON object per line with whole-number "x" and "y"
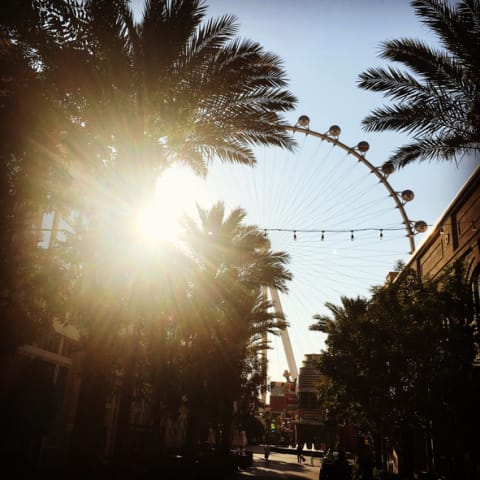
{"x": 177, "y": 191}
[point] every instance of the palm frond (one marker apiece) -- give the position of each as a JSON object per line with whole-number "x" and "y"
{"x": 206, "y": 41}
{"x": 228, "y": 151}
{"x": 268, "y": 269}
{"x": 130, "y": 32}
{"x": 429, "y": 64}
{"x": 415, "y": 118}
{"x": 243, "y": 66}
{"x": 453, "y": 25}
{"x": 438, "y": 148}
{"x": 109, "y": 36}
{"x": 438, "y": 97}
{"x": 166, "y": 28}
{"x": 323, "y": 324}
{"x": 391, "y": 82}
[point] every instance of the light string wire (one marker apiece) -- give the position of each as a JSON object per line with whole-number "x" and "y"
{"x": 471, "y": 224}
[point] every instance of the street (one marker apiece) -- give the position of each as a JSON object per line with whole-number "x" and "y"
{"x": 280, "y": 466}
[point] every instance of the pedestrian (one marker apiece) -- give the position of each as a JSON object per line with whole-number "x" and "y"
{"x": 365, "y": 460}
{"x": 266, "y": 452}
{"x": 300, "y": 457}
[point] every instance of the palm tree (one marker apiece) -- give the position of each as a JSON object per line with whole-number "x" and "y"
{"x": 236, "y": 262}
{"x": 166, "y": 89}
{"x": 437, "y": 97}
{"x": 128, "y": 100}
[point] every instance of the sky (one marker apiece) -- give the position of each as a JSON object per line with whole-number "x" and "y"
{"x": 324, "y": 46}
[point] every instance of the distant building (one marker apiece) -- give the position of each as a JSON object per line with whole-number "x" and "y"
{"x": 282, "y": 397}
{"x": 282, "y": 411}
{"x": 313, "y": 424}
{"x": 310, "y": 420}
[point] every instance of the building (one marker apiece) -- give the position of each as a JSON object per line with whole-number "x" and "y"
{"x": 46, "y": 375}
{"x": 454, "y": 237}
{"x": 310, "y": 421}
{"x": 313, "y": 425}
{"x": 282, "y": 411}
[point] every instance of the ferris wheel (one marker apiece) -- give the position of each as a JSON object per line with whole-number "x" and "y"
{"x": 335, "y": 212}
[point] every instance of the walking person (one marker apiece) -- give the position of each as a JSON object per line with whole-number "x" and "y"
{"x": 300, "y": 457}
{"x": 266, "y": 452}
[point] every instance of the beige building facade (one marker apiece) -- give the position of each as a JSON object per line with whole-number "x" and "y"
{"x": 454, "y": 237}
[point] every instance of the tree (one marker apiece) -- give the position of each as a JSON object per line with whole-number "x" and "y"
{"x": 28, "y": 274}
{"x": 404, "y": 360}
{"x": 436, "y": 98}
{"x": 236, "y": 262}
{"x": 127, "y": 101}
{"x": 26, "y": 175}
{"x": 343, "y": 390}
{"x": 168, "y": 89}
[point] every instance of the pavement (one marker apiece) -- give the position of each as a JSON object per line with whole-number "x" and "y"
{"x": 280, "y": 466}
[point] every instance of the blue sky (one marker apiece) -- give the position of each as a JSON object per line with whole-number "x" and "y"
{"x": 325, "y": 45}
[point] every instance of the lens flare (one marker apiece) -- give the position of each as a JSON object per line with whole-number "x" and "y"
{"x": 176, "y": 194}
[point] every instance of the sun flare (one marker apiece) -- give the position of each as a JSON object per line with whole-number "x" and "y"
{"x": 177, "y": 191}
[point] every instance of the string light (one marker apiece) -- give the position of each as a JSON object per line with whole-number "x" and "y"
{"x": 296, "y": 231}
{"x": 352, "y": 231}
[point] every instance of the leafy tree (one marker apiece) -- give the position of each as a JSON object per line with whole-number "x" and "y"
{"x": 126, "y": 101}
{"x": 28, "y": 274}
{"x": 236, "y": 262}
{"x": 26, "y": 175}
{"x": 436, "y": 98}
{"x": 404, "y": 362}
{"x": 342, "y": 389}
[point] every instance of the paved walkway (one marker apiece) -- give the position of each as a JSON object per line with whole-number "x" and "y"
{"x": 280, "y": 466}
